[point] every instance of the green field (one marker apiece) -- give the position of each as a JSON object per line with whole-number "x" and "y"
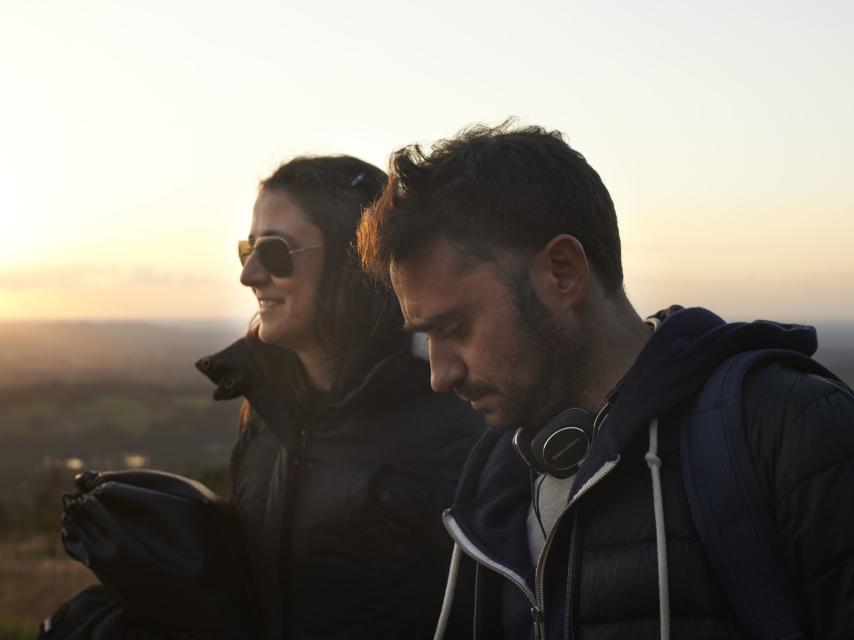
{"x": 35, "y": 578}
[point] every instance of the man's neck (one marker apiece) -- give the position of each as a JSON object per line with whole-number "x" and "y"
{"x": 620, "y": 336}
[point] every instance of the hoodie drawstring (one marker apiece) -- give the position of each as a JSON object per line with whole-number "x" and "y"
{"x": 654, "y": 464}
{"x": 448, "y": 601}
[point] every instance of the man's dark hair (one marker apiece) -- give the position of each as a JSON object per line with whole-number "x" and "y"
{"x": 492, "y": 188}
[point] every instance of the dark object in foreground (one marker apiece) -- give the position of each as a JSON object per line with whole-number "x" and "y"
{"x": 166, "y": 546}
{"x": 96, "y": 614}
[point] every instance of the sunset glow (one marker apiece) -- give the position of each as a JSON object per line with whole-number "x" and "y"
{"x": 133, "y": 137}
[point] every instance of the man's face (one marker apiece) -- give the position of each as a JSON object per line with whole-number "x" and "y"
{"x": 512, "y": 361}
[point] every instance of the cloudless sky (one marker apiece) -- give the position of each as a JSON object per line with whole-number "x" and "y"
{"x": 133, "y": 135}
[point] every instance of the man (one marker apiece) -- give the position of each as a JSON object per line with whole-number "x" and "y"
{"x": 502, "y": 246}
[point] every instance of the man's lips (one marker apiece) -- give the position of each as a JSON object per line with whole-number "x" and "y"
{"x": 476, "y": 400}
{"x": 476, "y": 403}
{"x": 472, "y": 390}
{"x": 466, "y": 396}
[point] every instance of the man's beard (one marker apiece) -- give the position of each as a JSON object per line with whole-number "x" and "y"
{"x": 557, "y": 358}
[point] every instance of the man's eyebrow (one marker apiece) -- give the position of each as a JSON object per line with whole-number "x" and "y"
{"x": 428, "y": 324}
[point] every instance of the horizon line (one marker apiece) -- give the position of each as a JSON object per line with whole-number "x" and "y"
{"x": 246, "y": 320}
{"x": 128, "y": 320}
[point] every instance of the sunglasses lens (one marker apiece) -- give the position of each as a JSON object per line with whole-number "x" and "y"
{"x": 244, "y": 250}
{"x": 274, "y": 254}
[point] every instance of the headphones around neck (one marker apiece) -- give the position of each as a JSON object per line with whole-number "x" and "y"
{"x": 560, "y": 446}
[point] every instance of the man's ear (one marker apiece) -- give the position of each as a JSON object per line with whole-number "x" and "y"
{"x": 561, "y": 273}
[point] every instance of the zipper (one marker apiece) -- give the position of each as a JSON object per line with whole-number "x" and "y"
{"x": 603, "y": 471}
{"x": 477, "y": 554}
{"x": 275, "y": 534}
{"x": 295, "y": 467}
{"x": 535, "y": 598}
{"x": 538, "y": 570}
{"x": 539, "y": 627}
{"x": 295, "y": 472}
{"x": 539, "y": 596}
{"x": 476, "y": 612}
{"x": 295, "y": 464}
{"x": 505, "y": 572}
{"x": 300, "y": 462}
{"x": 570, "y": 566}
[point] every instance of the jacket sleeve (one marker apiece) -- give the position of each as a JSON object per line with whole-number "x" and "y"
{"x": 801, "y": 430}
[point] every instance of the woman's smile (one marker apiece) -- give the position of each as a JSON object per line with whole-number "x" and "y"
{"x": 266, "y": 304}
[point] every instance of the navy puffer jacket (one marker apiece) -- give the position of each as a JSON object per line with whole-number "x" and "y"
{"x": 599, "y": 578}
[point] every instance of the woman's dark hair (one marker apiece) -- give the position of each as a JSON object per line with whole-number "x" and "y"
{"x": 492, "y": 188}
{"x": 356, "y": 321}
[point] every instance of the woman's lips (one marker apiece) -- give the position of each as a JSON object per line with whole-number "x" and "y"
{"x": 265, "y": 304}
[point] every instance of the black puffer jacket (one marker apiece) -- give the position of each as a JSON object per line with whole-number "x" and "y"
{"x": 599, "y": 579}
{"x": 341, "y": 512}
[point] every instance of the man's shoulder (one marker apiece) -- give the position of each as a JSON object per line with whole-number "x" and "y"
{"x": 798, "y": 424}
{"x": 780, "y": 387}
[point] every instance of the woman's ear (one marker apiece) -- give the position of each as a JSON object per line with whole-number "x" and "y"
{"x": 561, "y": 273}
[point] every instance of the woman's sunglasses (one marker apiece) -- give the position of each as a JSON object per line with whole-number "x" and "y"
{"x": 274, "y": 254}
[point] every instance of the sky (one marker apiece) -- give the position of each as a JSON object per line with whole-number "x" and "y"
{"x": 133, "y": 136}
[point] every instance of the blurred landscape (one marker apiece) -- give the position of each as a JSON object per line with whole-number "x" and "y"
{"x": 106, "y": 395}
{"x": 99, "y": 395}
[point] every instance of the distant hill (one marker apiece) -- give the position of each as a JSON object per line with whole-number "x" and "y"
{"x": 836, "y": 348}
{"x": 105, "y": 394}
{"x": 159, "y": 353}
{"x": 164, "y": 353}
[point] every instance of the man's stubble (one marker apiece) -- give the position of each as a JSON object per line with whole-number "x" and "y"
{"x": 556, "y": 356}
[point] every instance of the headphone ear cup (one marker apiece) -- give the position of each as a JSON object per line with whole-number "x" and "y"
{"x": 560, "y": 446}
{"x": 522, "y": 445}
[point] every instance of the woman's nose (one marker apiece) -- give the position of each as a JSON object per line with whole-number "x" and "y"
{"x": 253, "y": 273}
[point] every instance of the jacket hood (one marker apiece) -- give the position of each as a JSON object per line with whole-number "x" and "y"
{"x": 237, "y": 372}
{"x": 231, "y": 369}
{"x": 688, "y": 345}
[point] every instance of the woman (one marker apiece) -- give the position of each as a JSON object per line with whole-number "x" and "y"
{"x": 345, "y": 457}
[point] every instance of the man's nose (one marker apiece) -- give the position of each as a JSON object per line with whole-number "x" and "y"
{"x": 446, "y": 369}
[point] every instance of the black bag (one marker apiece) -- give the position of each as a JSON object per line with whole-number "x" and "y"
{"x": 93, "y": 614}
{"x": 732, "y": 521}
{"x": 167, "y": 547}
{"x": 96, "y": 614}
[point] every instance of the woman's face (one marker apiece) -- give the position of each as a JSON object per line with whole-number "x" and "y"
{"x": 286, "y": 305}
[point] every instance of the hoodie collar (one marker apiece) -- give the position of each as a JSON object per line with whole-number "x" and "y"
{"x": 494, "y": 486}
{"x": 494, "y": 490}
{"x": 675, "y": 363}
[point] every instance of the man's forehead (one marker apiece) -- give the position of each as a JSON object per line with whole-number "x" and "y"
{"x": 438, "y": 285}
{"x": 436, "y": 266}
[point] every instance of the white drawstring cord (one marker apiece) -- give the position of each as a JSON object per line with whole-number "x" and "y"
{"x": 448, "y": 601}
{"x": 654, "y": 464}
